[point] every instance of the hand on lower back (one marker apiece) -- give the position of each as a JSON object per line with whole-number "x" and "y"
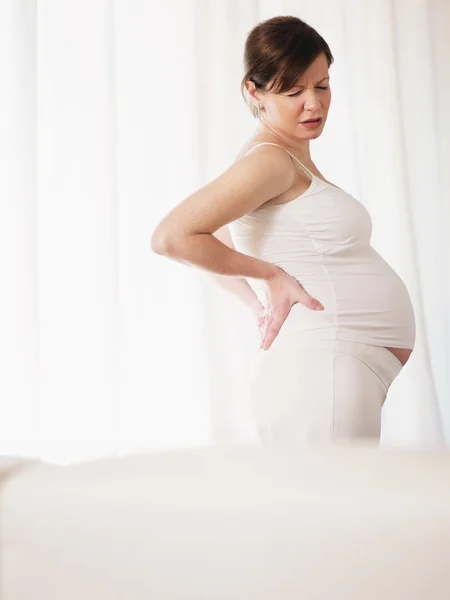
{"x": 282, "y": 292}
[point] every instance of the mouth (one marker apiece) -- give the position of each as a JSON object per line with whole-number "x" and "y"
{"x": 311, "y": 123}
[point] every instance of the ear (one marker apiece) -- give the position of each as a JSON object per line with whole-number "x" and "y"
{"x": 252, "y": 92}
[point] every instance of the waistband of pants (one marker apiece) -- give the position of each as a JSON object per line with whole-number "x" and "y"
{"x": 377, "y": 358}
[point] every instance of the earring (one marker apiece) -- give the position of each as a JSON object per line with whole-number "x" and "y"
{"x": 258, "y": 114}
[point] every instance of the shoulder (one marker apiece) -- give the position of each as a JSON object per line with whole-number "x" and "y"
{"x": 251, "y": 180}
{"x": 268, "y": 163}
{"x": 263, "y": 147}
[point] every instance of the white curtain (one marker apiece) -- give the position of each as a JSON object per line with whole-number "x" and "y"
{"x": 112, "y": 112}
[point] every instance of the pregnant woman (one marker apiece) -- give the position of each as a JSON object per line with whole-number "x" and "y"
{"x": 337, "y": 323}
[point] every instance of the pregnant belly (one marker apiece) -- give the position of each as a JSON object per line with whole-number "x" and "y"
{"x": 383, "y": 323}
{"x": 364, "y": 301}
{"x": 401, "y": 353}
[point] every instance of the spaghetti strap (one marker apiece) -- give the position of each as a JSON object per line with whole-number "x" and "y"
{"x": 290, "y": 153}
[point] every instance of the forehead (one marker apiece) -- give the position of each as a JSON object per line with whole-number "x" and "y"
{"x": 316, "y": 71}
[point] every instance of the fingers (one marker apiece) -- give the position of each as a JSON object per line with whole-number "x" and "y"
{"x": 261, "y": 319}
{"x": 310, "y": 303}
{"x": 272, "y": 322}
{"x": 262, "y": 324}
{"x": 313, "y": 304}
{"x": 273, "y": 326}
{"x": 308, "y": 300}
{"x": 316, "y": 305}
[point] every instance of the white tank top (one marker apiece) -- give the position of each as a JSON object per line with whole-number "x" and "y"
{"x": 322, "y": 238}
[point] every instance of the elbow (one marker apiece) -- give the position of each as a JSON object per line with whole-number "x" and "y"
{"x": 163, "y": 242}
{"x": 158, "y": 243}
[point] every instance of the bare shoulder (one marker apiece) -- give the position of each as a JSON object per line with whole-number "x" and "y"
{"x": 253, "y": 178}
{"x": 223, "y": 233}
{"x": 261, "y": 143}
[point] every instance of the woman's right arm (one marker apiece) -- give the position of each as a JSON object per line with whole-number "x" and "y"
{"x": 238, "y": 286}
{"x": 186, "y": 233}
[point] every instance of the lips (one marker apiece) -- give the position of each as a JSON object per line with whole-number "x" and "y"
{"x": 312, "y": 120}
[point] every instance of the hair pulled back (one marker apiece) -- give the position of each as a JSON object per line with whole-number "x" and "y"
{"x": 278, "y": 51}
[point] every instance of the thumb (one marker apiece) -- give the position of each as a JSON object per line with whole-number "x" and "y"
{"x": 314, "y": 304}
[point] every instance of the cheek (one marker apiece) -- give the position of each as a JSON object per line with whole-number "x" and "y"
{"x": 285, "y": 109}
{"x": 292, "y": 108}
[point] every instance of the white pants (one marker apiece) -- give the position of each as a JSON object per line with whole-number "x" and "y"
{"x": 320, "y": 391}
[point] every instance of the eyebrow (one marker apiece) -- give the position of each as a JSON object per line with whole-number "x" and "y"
{"x": 297, "y": 85}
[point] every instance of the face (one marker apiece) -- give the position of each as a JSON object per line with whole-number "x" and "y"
{"x": 285, "y": 112}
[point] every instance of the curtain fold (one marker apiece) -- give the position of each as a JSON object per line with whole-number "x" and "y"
{"x": 19, "y": 326}
{"x": 114, "y": 111}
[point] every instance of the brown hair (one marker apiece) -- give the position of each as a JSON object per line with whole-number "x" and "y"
{"x": 278, "y": 51}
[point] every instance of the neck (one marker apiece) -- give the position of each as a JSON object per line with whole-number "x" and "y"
{"x": 298, "y": 146}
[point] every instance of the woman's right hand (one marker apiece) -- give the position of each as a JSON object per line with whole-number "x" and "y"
{"x": 282, "y": 292}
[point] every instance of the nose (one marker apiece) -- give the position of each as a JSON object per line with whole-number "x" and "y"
{"x": 311, "y": 100}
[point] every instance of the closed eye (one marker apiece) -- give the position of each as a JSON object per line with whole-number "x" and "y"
{"x": 297, "y": 93}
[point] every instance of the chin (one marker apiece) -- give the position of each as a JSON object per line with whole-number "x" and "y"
{"x": 314, "y": 134}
